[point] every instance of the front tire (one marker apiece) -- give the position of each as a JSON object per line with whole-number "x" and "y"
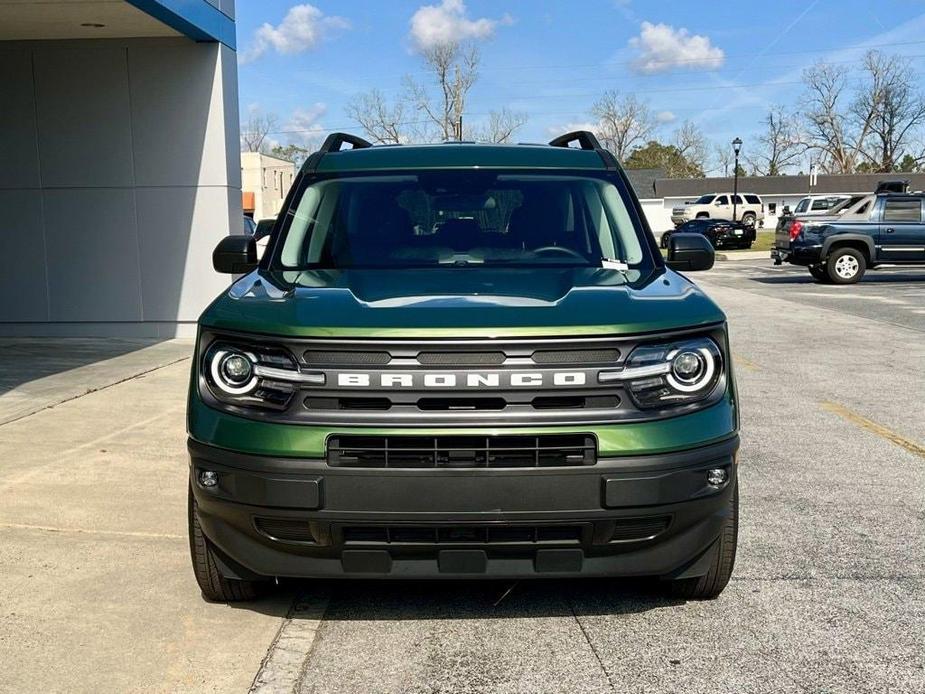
{"x": 748, "y": 219}
{"x": 846, "y": 266}
{"x": 711, "y": 584}
{"x": 214, "y": 586}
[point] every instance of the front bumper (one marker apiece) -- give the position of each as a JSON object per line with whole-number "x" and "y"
{"x": 628, "y": 516}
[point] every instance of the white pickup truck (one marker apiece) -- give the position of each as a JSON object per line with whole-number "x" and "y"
{"x": 749, "y": 209}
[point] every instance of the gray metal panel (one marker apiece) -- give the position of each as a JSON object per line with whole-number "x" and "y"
{"x": 83, "y": 116}
{"x": 18, "y": 147}
{"x": 92, "y": 253}
{"x": 178, "y": 227}
{"x": 22, "y": 257}
{"x": 177, "y": 125}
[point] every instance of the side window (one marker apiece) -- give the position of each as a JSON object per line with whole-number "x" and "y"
{"x": 738, "y": 199}
{"x": 753, "y": 199}
{"x": 821, "y": 204}
{"x": 722, "y": 200}
{"x": 902, "y": 210}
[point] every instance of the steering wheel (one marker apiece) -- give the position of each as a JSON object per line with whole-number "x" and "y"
{"x": 559, "y": 249}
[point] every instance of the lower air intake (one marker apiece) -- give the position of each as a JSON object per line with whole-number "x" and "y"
{"x": 461, "y": 451}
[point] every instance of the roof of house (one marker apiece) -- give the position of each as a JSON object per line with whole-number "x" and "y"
{"x": 643, "y": 181}
{"x": 781, "y": 185}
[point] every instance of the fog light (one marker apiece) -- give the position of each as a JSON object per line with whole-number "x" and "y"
{"x": 208, "y": 478}
{"x": 717, "y": 477}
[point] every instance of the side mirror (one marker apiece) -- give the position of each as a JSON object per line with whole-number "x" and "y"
{"x": 690, "y": 252}
{"x": 235, "y": 255}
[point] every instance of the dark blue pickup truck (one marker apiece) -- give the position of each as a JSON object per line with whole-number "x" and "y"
{"x": 888, "y": 230}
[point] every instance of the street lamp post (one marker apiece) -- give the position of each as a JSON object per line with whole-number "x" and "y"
{"x": 736, "y": 147}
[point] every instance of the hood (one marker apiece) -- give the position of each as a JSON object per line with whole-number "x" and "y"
{"x": 460, "y": 302}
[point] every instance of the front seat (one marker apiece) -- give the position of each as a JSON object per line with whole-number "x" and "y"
{"x": 539, "y": 221}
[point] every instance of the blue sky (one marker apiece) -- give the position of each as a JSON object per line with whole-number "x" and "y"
{"x": 719, "y": 64}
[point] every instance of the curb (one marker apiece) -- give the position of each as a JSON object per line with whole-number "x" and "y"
{"x": 744, "y": 255}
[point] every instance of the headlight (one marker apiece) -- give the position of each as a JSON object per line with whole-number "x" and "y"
{"x": 254, "y": 375}
{"x": 669, "y": 374}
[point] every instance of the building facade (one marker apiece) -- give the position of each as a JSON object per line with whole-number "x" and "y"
{"x": 265, "y": 180}
{"x": 119, "y": 163}
{"x": 777, "y": 192}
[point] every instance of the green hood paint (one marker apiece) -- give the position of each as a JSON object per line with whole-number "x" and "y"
{"x": 460, "y": 302}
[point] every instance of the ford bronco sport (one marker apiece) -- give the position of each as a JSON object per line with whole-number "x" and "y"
{"x": 462, "y": 361}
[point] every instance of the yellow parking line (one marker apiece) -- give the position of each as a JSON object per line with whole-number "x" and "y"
{"x": 748, "y": 364}
{"x": 878, "y": 429}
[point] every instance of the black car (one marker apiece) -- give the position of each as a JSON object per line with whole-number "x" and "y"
{"x": 721, "y": 233}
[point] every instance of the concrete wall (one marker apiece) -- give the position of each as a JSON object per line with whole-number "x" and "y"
{"x": 119, "y": 172}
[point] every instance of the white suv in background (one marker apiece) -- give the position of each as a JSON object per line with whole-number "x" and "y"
{"x": 749, "y": 209}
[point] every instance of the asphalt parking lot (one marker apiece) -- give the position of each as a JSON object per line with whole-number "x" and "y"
{"x": 828, "y": 594}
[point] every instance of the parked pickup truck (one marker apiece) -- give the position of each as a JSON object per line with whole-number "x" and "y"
{"x": 462, "y": 361}
{"x": 882, "y": 229}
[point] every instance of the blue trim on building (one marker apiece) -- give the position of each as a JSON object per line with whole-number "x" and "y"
{"x": 197, "y": 19}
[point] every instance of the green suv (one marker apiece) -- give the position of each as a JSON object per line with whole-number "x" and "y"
{"x": 462, "y": 361}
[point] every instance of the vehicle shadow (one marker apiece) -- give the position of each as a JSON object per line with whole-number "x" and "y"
{"x": 370, "y": 600}
{"x": 869, "y": 278}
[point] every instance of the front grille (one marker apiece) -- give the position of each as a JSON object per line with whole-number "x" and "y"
{"x": 463, "y": 534}
{"x": 462, "y": 451}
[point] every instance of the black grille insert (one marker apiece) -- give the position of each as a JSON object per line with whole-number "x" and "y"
{"x": 635, "y": 529}
{"x": 286, "y": 529}
{"x": 461, "y": 358}
{"x": 315, "y": 357}
{"x": 464, "y": 534}
{"x": 462, "y": 451}
{"x": 576, "y": 356}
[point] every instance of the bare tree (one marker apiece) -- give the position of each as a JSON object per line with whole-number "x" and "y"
{"x": 624, "y": 122}
{"x": 691, "y": 145}
{"x": 383, "y": 123}
{"x": 454, "y": 69}
{"x": 255, "y": 131}
{"x": 893, "y": 106}
{"x": 500, "y": 127}
{"x": 835, "y": 128}
{"x": 723, "y": 158}
{"x": 780, "y": 145}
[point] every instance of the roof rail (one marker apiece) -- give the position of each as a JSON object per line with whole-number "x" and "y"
{"x": 333, "y": 143}
{"x": 585, "y": 140}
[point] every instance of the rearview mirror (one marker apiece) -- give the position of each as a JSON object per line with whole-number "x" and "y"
{"x": 690, "y": 252}
{"x": 235, "y": 255}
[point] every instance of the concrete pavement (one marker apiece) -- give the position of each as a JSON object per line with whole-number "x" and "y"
{"x": 97, "y": 593}
{"x": 828, "y": 593}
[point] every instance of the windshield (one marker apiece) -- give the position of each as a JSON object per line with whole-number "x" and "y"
{"x": 460, "y": 218}
{"x": 704, "y": 200}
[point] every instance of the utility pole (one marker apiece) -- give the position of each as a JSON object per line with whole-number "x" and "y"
{"x": 459, "y": 128}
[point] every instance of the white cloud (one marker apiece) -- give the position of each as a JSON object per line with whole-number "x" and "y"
{"x": 433, "y": 25}
{"x": 304, "y": 125}
{"x": 556, "y": 130}
{"x": 302, "y": 29}
{"x": 661, "y": 47}
{"x": 665, "y": 116}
